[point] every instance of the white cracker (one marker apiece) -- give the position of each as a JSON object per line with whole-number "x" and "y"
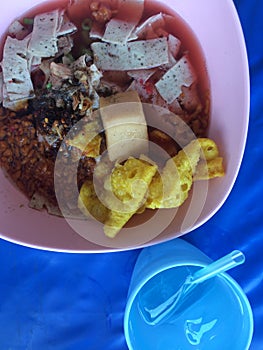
{"x": 16, "y": 76}
{"x": 119, "y": 29}
{"x": 142, "y": 54}
{"x": 153, "y": 21}
{"x": 170, "y": 85}
{"x": 43, "y": 42}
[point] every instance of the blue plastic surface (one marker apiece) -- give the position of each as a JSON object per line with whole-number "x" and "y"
{"x": 67, "y": 302}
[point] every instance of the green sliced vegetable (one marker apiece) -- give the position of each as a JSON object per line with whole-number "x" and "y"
{"x": 29, "y": 21}
{"x": 86, "y": 24}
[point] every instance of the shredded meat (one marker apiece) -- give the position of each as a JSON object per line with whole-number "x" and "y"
{"x": 29, "y": 159}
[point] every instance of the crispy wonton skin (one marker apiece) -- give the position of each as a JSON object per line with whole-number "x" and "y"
{"x": 123, "y": 194}
{"x": 197, "y": 161}
{"x": 136, "y": 184}
{"x": 129, "y": 183}
{"x": 90, "y": 204}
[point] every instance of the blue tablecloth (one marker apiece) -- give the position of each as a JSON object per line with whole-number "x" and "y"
{"x": 66, "y": 302}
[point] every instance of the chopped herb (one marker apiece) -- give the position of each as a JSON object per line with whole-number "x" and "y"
{"x": 85, "y": 51}
{"x": 49, "y": 86}
{"x": 29, "y": 21}
{"x": 70, "y": 57}
{"x": 86, "y": 24}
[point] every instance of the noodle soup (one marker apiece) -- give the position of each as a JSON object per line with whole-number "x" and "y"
{"x": 70, "y": 56}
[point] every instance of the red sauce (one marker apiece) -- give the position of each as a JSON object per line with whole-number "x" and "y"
{"x": 80, "y": 10}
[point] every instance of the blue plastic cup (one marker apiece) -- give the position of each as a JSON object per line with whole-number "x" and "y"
{"x": 218, "y": 314}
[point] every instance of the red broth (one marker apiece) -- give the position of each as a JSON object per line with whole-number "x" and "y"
{"x": 180, "y": 29}
{"x": 80, "y": 10}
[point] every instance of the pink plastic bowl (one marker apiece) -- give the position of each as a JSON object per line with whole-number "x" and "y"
{"x": 216, "y": 25}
